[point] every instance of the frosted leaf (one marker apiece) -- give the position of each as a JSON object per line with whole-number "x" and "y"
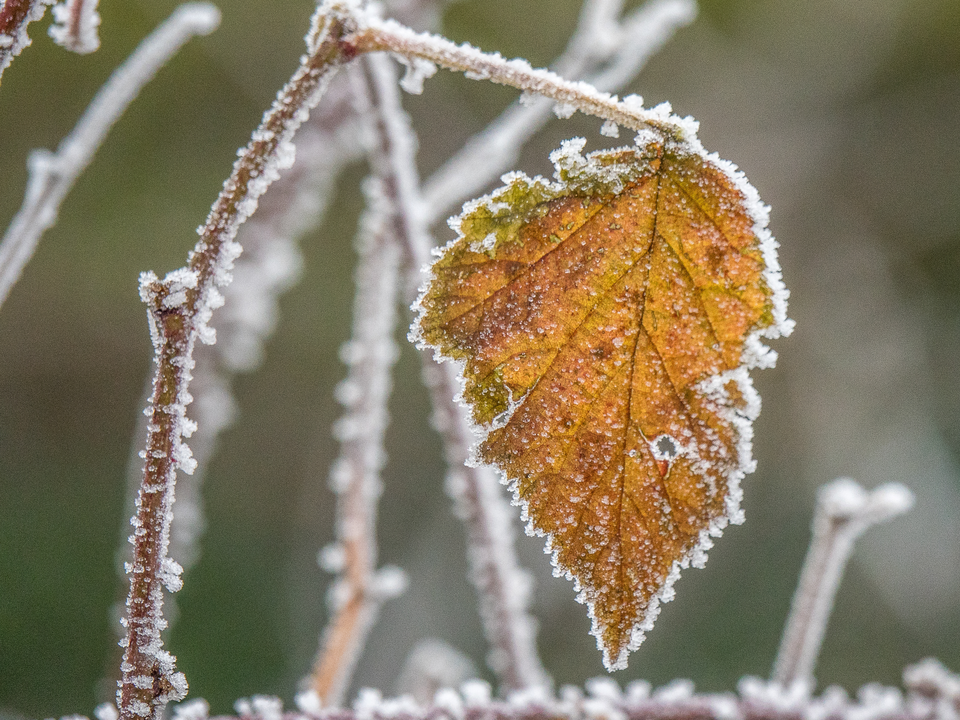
{"x": 564, "y": 110}
{"x": 581, "y": 297}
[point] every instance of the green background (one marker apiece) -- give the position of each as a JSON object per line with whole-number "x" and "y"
{"x": 844, "y": 116}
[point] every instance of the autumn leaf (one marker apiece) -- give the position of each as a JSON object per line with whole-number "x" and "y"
{"x": 605, "y": 323}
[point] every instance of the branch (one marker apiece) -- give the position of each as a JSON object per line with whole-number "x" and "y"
{"x": 424, "y": 48}
{"x": 931, "y": 693}
{"x": 15, "y": 15}
{"x": 269, "y": 266}
{"x": 500, "y": 584}
{"x": 179, "y": 308}
{"x": 370, "y": 354}
{"x": 52, "y": 175}
{"x": 844, "y": 512}
{"x": 598, "y": 39}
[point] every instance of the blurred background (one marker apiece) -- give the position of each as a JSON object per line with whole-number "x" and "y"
{"x": 843, "y": 115}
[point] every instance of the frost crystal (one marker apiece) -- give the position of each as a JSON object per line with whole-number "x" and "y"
{"x": 75, "y": 25}
{"x": 198, "y": 709}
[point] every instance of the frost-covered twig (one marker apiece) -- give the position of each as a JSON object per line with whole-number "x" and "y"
{"x": 53, "y": 174}
{"x": 358, "y": 592}
{"x": 844, "y": 512}
{"x": 929, "y": 693}
{"x": 503, "y": 589}
{"x": 270, "y": 264}
{"x": 599, "y": 38}
{"x": 15, "y": 15}
{"x": 179, "y": 308}
{"x": 424, "y": 49}
{"x": 75, "y": 26}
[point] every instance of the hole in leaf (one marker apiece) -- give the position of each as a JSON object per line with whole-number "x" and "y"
{"x": 665, "y": 448}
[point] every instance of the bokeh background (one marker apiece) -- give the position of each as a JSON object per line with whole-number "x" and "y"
{"x": 843, "y": 114}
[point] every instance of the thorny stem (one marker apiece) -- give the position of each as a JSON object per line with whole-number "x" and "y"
{"x": 844, "y": 512}
{"x": 179, "y": 308}
{"x": 370, "y": 355}
{"x": 52, "y": 175}
{"x": 390, "y": 36}
{"x": 15, "y": 15}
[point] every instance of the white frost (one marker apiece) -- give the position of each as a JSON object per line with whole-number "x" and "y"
{"x": 75, "y": 24}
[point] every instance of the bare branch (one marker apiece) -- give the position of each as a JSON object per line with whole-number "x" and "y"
{"x": 52, "y": 175}
{"x": 500, "y": 584}
{"x": 15, "y": 15}
{"x": 626, "y": 46}
{"x": 390, "y": 36}
{"x": 370, "y": 355}
{"x": 179, "y": 309}
{"x": 269, "y": 266}
{"x": 844, "y": 512}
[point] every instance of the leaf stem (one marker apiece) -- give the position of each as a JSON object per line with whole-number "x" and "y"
{"x": 390, "y": 36}
{"x": 844, "y": 512}
{"x": 491, "y": 152}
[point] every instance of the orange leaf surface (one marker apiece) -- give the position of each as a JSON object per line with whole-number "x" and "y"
{"x": 605, "y": 323}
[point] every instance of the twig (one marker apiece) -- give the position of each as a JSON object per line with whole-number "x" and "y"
{"x": 501, "y": 586}
{"x": 627, "y": 47}
{"x": 370, "y": 355}
{"x": 179, "y": 309}
{"x": 75, "y": 26}
{"x": 52, "y": 175}
{"x": 270, "y": 265}
{"x": 931, "y": 694}
{"x": 15, "y": 15}
{"x": 390, "y": 36}
{"x": 844, "y": 512}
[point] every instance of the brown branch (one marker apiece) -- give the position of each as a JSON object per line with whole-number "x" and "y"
{"x": 179, "y": 308}
{"x": 390, "y": 36}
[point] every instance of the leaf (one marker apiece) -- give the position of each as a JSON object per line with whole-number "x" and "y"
{"x": 605, "y": 323}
